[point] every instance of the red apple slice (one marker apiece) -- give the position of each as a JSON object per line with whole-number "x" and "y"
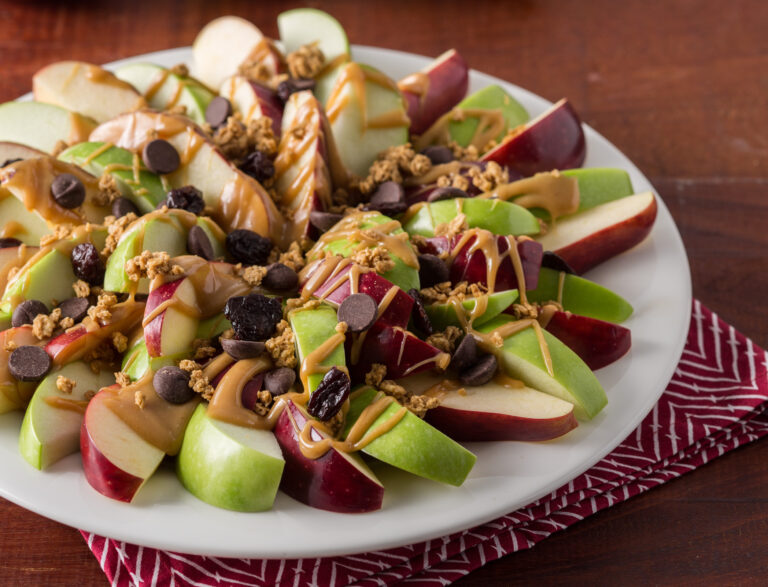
{"x": 597, "y": 343}
{"x": 336, "y": 482}
{"x": 587, "y": 239}
{"x": 172, "y": 328}
{"x": 9, "y": 150}
{"x": 434, "y": 90}
{"x": 553, "y": 140}
{"x": 253, "y": 100}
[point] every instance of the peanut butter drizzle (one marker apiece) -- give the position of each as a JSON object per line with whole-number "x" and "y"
{"x": 22, "y": 254}
{"x": 490, "y": 124}
{"x": 11, "y": 228}
{"x": 156, "y": 84}
{"x": 30, "y": 181}
{"x": 66, "y": 403}
{"x": 312, "y": 364}
{"x": 227, "y": 401}
{"x": 80, "y": 128}
{"x": 555, "y": 193}
{"x": 417, "y": 83}
{"x": 437, "y": 171}
{"x": 100, "y": 75}
{"x": 329, "y": 66}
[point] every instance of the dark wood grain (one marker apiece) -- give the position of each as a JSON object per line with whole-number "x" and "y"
{"x": 680, "y": 86}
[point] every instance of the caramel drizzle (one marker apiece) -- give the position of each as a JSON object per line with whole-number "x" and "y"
{"x": 490, "y": 124}
{"x": 417, "y": 83}
{"x": 556, "y": 193}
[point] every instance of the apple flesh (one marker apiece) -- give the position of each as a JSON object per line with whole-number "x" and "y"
{"x": 553, "y": 140}
{"x": 253, "y": 100}
{"x": 335, "y": 482}
{"x": 598, "y": 343}
{"x": 598, "y": 185}
{"x": 587, "y": 239}
{"x": 492, "y": 98}
{"x": 41, "y": 126}
{"x": 172, "y": 331}
{"x": 311, "y": 329}
{"x": 11, "y": 150}
{"x": 442, "y": 315}
{"x": 12, "y": 259}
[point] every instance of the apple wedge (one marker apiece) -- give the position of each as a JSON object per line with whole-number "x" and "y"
{"x": 85, "y": 88}
{"x": 552, "y": 140}
{"x": 474, "y": 311}
{"x": 587, "y": 239}
{"x": 598, "y": 343}
{"x": 41, "y": 126}
{"x": 337, "y": 481}
{"x": 12, "y": 259}
{"x": 253, "y": 100}
{"x": 172, "y": 330}
{"x": 10, "y": 150}
{"x": 14, "y": 394}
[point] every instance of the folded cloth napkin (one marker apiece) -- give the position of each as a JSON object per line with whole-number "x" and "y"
{"x": 714, "y": 403}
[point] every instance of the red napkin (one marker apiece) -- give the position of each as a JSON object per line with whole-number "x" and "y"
{"x": 714, "y": 403}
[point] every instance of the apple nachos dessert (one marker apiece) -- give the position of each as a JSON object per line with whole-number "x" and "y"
{"x": 290, "y": 264}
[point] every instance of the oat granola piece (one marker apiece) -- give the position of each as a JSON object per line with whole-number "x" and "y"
{"x": 450, "y": 229}
{"x": 376, "y": 375}
{"x": 44, "y": 324}
{"x": 120, "y": 342}
{"x": 253, "y": 275}
{"x": 65, "y": 384}
{"x": 151, "y": 264}
{"x": 490, "y": 178}
{"x": 293, "y": 257}
{"x": 122, "y": 379}
{"x": 197, "y": 379}
{"x": 115, "y": 229}
{"x": 180, "y": 69}
{"x": 306, "y": 62}
{"x": 82, "y": 288}
{"x": 66, "y": 323}
{"x": 108, "y": 190}
{"x": 376, "y": 258}
{"x": 10, "y": 346}
{"x": 60, "y": 232}
{"x": 469, "y": 153}
{"x": 446, "y": 340}
{"x": 419, "y": 405}
{"x": 281, "y": 346}
{"x": 261, "y": 136}
{"x": 139, "y": 399}
{"x": 255, "y": 71}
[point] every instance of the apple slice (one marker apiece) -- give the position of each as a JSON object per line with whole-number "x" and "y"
{"x": 553, "y": 140}
{"x": 475, "y": 311}
{"x": 312, "y": 329}
{"x": 253, "y": 100}
{"x": 85, "y": 88}
{"x": 434, "y": 90}
{"x": 42, "y": 126}
{"x": 51, "y": 427}
{"x": 587, "y": 239}
{"x": 172, "y": 330}
{"x": 598, "y": 343}
{"x": 14, "y": 394}
{"x": 221, "y": 46}
{"x": 10, "y": 150}
{"x": 12, "y": 259}
{"x": 598, "y": 185}
{"x": 26, "y": 225}
{"x": 337, "y": 481}
{"x": 303, "y": 26}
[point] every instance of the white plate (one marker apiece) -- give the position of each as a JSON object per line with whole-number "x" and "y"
{"x": 654, "y": 277}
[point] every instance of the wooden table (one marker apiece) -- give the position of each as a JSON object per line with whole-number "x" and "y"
{"x": 680, "y": 86}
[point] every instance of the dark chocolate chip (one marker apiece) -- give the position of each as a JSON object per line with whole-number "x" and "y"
{"x": 123, "y": 206}
{"x": 217, "y": 112}
{"x": 552, "y": 260}
{"x": 248, "y": 247}
{"x": 29, "y": 363}
{"x": 280, "y": 277}
{"x": 323, "y": 221}
{"x": 161, "y": 157}
{"x": 446, "y": 193}
{"x": 259, "y": 166}
{"x": 329, "y": 396}
{"x": 481, "y": 372}
{"x": 438, "y": 154}
{"x": 389, "y": 199}
{"x": 432, "y": 270}
{"x": 242, "y": 349}
{"x": 466, "y": 354}
{"x": 75, "y": 308}
{"x": 68, "y": 191}
{"x": 359, "y": 311}
{"x": 291, "y": 86}
{"x": 187, "y": 198}
{"x": 8, "y": 242}
{"x": 26, "y": 311}
{"x": 199, "y": 244}
{"x": 10, "y": 162}
{"x": 419, "y": 315}
{"x": 253, "y": 317}
{"x": 87, "y": 264}
{"x": 172, "y": 384}
{"x": 279, "y": 381}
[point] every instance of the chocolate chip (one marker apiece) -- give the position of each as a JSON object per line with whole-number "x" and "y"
{"x": 438, "y": 154}
{"x": 123, "y": 206}
{"x": 280, "y": 277}
{"x": 172, "y": 384}
{"x": 389, "y": 199}
{"x": 258, "y": 166}
{"x": 161, "y": 157}
{"x": 480, "y": 373}
{"x": 199, "y": 244}
{"x": 419, "y": 315}
{"x": 323, "y": 221}
{"x": 279, "y": 381}
{"x": 217, "y": 112}
{"x": 432, "y": 270}
{"x": 554, "y": 261}
{"x": 26, "y": 311}
{"x": 9, "y": 242}
{"x": 68, "y": 191}
{"x": 253, "y": 317}
{"x": 8, "y": 162}
{"x": 359, "y": 311}
{"x": 75, "y": 308}
{"x": 248, "y": 247}
{"x": 291, "y": 86}
{"x": 87, "y": 264}
{"x": 29, "y": 363}
{"x": 242, "y": 349}
{"x": 187, "y": 198}
{"x": 329, "y": 396}
{"x": 446, "y": 193}
{"x": 466, "y": 354}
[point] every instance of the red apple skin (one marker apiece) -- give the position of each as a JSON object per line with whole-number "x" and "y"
{"x": 329, "y": 483}
{"x": 270, "y": 105}
{"x": 448, "y": 77}
{"x": 153, "y": 332}
{"x": 251, "y": 389}
{"x": 472, "y": 266}
{"x": 597, "y": 343}
{"x": 604, "y": 244}
{"x": 554, "y": 140}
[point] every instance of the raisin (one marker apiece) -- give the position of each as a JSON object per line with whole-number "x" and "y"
{"x": 419, "y": 315}
{"x": 187, "y": 198}
{"x": 253, "y": 317}
{"x": 248, "y": 247}
{"x": 87, "y": 264}
{"x": 258, "y": 166}
{"x": 329, "y": 396}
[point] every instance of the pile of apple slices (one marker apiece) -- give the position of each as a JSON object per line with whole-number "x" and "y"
{"x": 295, "y": 178}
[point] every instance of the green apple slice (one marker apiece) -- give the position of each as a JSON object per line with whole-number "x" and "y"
{"x": 302, "y": 26}
{"x": 496, "y": 216}
{"x": 136, "y": 361}
{"x": 311, "y": 329}
{"x": 521, "y": 357}
{"x": 598, "y": 185}
{"x": 30, "y": 227}
{"x": 580, "y": 296}
{"x": 229, "y": 466}
{"x": 215, "y": 234}
{"x": 413, "y": 445}
{"x": 41, "y": 125}
{"x": 163, "y": 89}
{"x": 51, "y": 426}
{"x": 443, "y": 315}
{"x": 489, "y": 98}
{"x": 98, "y": 158}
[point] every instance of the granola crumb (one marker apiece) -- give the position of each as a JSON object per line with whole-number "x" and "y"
{"x": 82, "y": 288}
{"x": 293, "y": 257}
{"x": 10, "y": 346}
{"x": 490, "y": 178}
{"x": 108, "y": 190}
{"x": 376, "y": 258}
{"x": 255, "y": 70}
{"x": 306, "y": 62}
{"x": 139, "y": 399}
{"x": 253, "y": 275}
{"x": 261, "y": 136}
{"x": 453, "y": 180}
{"x": 151, "y": 264}
{"x": 263, "y": 403}
{"x": 469, "y": 153}
{"x": 419, "y": 405}
{"x": 115, "y": 229}
{"x": 101, "y": 312}
{"x": 65, "y": 384}
{"x": 122, "y": 379}
{"x": 60, "y": 232}
{"x": 100, "y": 357}
{"x": 442, "y": 292}
{"x": 446, "y": 340}
{"x": 341, "y": 328}
{"x": 180, "y": 69}
{"x": 88, "y": 395}
{"x": 393, "y": 165}
{"x": 120, "y": 342}
{"x": 44, "y": 324}
{"x": 376, "y": 375}
{"x": 59, "y": 147}
{"x": 197, "y": 379}
{"x": 236, "y": 139}
{"x": 450, "y": 229}
{"x": 203, "y": 349}
{"x": 281, "y": 346}
{"x": 497, "y": 340}
{"x": 66, "y": 323}
{"x": 336, "y": 423}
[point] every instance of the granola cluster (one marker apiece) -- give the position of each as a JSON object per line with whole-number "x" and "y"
{"x": 102, "y": 311}
{"x": 115, "y": 229}
{"x": 306, "y": 62}
{"x": 281, "y": 346}
{"x": 236, "y": 139}
{"x": 376, "y": 258}
{"x": 394, "y": 164}
{"x": 197, "y": 379}
{"x": 447, "y": 339}
{"x": 151, "y": 264}
{"x": 442, "y": 292}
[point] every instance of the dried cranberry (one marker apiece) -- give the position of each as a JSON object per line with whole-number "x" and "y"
{"x": 291, "y": 86}
{"x": 253, "y": 317}
{"x": 8, "y": 242}
{"x": 248, "y": 247}
{"x": 419, "y": 315}
{"x": 258, "y": 166}
{"x": 187, "y": 198}
{"x": 87, "y": 264}
{"x": 329, "y": 396}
